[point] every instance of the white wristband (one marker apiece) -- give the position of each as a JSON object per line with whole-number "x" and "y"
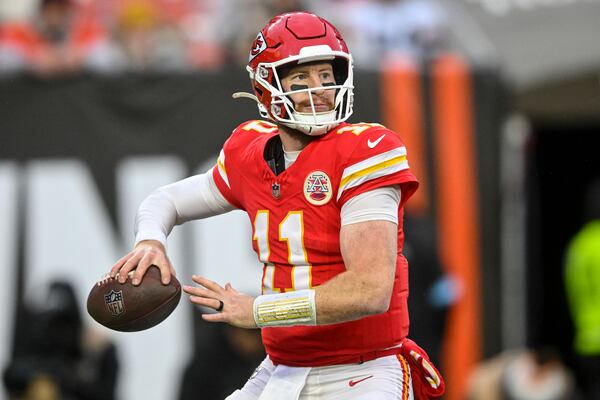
{"x": 286, "y": 309}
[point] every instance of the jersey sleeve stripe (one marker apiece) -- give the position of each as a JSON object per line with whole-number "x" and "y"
{"x": 369, "y": 162}
{"x": 222, "y": 170}
{"x": 377, "y": 171}
{"x": 380, "y": 165}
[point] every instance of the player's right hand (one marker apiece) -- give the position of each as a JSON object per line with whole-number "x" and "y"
{"x": 145, "y": 254}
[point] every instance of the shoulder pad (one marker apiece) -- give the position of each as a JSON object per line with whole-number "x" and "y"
{"x": 371, "y": 138}
{"x": 248, "y": 131}
{"x": 257, "y": 126}
{"x": 359, "y": 128}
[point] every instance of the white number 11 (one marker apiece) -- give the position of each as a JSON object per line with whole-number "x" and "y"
{"x": 291, "y": 230}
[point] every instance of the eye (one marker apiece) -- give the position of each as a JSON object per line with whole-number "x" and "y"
{"x": 327, "y": 77}
{"x": 299, "y": 77}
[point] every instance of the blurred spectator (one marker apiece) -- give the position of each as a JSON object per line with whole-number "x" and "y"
{"x": 135, "y": 35}
{"x": 56, "y": 41}
{"x": 148, "y": 40}
{"x": 61, "y": 359}
{"x": 221, "y": 363}
{"x": 378, "y": 29}
{"x": 115, "y": 35}
{"x": 582, "y": 270}
{"x": 277, "y": 7}
{"x": 203, "y": 29}
{"x": 522, "y": 375}
{"x": 241, "y": 20}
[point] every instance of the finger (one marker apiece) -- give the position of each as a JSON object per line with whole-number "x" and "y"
{"x": 229, "y": 288}
{"x": 207, "y": 283}
{"x": 165, "y": 270}
{"x": 117, "y": 266}
{"x": 129, "y": 265}
{"x": 218, "y": 317}
{"x": 141, "y": 269}
{"x": 198, "y": 291}
{"x": 205, "y": 302}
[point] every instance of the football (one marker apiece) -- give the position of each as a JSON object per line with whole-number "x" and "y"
{"x": 127, "y": 308}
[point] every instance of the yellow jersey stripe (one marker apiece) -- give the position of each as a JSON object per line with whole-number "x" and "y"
{"x": 376, "y": 167}
{"x": 376, "y": 159}
{"x": 405, "y": 377}
{"x": 221, "y": 168}
{"x": 385, "y": 168}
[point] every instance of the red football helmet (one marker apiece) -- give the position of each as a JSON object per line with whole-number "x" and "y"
{"x": 297, "y": 38}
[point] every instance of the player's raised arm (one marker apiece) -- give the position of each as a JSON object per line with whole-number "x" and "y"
{"x": 192, "y": 198}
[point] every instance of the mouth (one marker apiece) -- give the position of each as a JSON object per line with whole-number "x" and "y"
{"x": 318, "y": 108}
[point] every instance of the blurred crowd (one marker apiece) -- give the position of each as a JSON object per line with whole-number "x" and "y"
{"x": 49, "y": 37}
{"x": 55, "y": 355}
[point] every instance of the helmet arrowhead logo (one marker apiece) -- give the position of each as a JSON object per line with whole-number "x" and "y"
{"x": 259, "y": 45}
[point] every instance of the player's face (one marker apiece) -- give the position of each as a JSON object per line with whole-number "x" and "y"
{"x": 311, "y": 75}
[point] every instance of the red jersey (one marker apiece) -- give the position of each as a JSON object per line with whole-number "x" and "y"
{"x": 296, "y": 228}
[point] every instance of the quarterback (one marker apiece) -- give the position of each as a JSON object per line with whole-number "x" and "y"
{"x": 325, "y": 199}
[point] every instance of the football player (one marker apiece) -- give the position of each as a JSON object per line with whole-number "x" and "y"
{"x": 325, "y": 199}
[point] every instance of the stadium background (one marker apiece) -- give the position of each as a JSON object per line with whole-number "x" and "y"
{"x": 502, "y": 124}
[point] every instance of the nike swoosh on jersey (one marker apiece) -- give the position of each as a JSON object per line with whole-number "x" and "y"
{"x": 352, "y": 382}
{"x": 376, "y": 142}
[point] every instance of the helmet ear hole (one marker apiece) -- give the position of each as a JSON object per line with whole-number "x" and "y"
{"x": 276, "y": 110}
{"x": 340, "y": 70}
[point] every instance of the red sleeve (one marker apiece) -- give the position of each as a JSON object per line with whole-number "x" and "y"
{"x": 233, "y": 159}
{"x": 219, "y": 173}
{"x": 378, "y": 159}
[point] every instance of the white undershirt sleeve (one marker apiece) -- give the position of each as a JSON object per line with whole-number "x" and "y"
{"x": 377, "y": 204}
{"x": 195, "y": 197}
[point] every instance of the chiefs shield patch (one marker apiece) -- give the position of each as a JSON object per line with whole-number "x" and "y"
{"x": 317, "y": 188}
{"x": 259, "y": 45}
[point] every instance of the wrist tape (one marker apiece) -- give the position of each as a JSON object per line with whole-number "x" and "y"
{"x": 286, "y": 309}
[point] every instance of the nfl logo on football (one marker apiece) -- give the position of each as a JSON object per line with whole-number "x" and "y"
{"x": 114, "y": 302}
{"x": 317, "y": 188}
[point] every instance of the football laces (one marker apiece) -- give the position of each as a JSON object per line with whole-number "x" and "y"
{"x": 103, "y": 279}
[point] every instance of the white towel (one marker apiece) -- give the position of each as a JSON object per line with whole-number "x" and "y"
{"x": 285, "y": 383}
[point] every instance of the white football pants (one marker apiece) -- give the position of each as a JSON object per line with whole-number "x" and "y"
{"x": 385, "y": 378}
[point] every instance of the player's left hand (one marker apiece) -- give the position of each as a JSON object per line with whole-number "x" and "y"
{"x": 237, "y": 309}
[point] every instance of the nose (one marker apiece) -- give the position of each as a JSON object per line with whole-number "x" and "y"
{"x": 315, "y": 81}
